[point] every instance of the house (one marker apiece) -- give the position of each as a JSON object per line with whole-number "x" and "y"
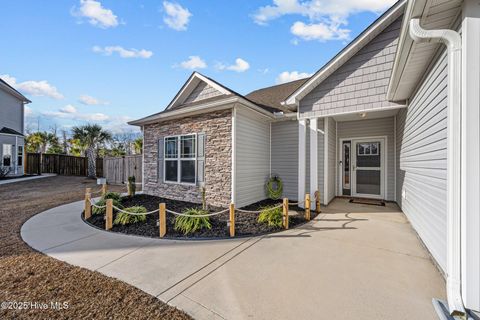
{"x": 11, "y": 129}
{"x": 393, "y": 116}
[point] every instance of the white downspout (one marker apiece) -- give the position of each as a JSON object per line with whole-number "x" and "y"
{"x": 453, "y": 42}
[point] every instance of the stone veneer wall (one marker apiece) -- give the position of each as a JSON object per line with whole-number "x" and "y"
{"x": 217, "y": 127}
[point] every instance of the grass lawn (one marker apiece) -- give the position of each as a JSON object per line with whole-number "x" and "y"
{"x": 30, "y": 276}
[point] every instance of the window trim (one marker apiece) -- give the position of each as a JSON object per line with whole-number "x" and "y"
{"x": 11, "y": 154}
{"x": 20, "y": 163}
{"x": 179, "y": 159}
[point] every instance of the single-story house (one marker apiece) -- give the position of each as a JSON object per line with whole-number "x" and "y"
{"x": 393, "y": 116}
{"x": 11, "y": 129}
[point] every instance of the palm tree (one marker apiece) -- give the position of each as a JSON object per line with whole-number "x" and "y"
{"x": 37, "y": 142}
{"x": 91, "y": 137}
{"x": 138, "y": 145}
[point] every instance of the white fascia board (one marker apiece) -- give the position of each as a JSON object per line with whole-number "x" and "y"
{"x": 188, "y": 87}
{"x": 376, "y": 28}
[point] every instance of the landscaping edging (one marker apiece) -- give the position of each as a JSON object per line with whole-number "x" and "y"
{"x": 246, "y": 224}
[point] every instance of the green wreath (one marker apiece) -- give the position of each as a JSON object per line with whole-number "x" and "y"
{"x": 272, "y": 192}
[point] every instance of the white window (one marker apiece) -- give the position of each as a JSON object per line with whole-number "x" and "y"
{"x": 7, "y": 155}
{"x": 180, "y": 160}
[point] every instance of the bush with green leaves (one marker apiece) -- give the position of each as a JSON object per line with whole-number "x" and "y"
{"x": 112, "y": 195}
{"x": 271, "y": 215}
{"x": 125, "y": 218}
{"x": 188, "y": 225}
{"x": 103, "y": 201}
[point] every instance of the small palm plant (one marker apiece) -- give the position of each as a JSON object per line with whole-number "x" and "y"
{"x": 125, "y": 218}
{"x": 188, "y": 225}
{"x": 272, "y": 216}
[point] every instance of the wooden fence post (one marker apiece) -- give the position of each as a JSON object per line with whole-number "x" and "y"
{"x": 88, "y": 205}
{"x": 307, "y": 206}
{"x": 162, "y": 220}
{"x": 109, "y": 219}
{"x": 104, "y": 189}
{"x": 285, "y": 212}
{"x": 317, "y": 202}
{"x": 232, "y": 220}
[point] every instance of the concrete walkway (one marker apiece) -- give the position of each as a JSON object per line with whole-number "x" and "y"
{"x": 20, "y": 179}
{"x": 352, "y": 262}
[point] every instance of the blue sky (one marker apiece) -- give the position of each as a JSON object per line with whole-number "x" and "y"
{"x": 111, "y": 61}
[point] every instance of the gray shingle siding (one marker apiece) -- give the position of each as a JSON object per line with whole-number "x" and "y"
{"x": 422, "y": 160}
{"x": 371, "y": 128}
{"x": 201, "y": 92}
{"x": 252, "y": 135}
{"x": 285, "y": 156}
{"x": 361, "y": 83}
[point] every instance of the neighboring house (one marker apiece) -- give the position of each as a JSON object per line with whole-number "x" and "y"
{"x": 381, "y": 120}
{"x": 12, "y": 152}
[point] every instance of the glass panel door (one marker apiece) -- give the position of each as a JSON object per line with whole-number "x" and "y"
{"x": 368, "y": 168}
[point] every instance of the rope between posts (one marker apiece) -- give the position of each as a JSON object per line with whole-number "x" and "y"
{"x": 96, "y": 206}
{"x": 98, "y": 191}
{"x": 196, "y": 215}
{"x": 250, "y": 211}
{"x": 134, "y": 213}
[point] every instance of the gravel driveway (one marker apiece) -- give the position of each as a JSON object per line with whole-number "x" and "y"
{"x": 53, "y": 289}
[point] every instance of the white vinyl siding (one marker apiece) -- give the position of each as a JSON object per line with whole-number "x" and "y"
{"x": 422, "y": 160}
{"x": 374, "y": 128}
{"x": 285, "y": 156}
{"x": 252, "y": 156}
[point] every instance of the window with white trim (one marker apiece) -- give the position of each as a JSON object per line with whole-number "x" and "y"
{"x": 180, "y": 161}
{"x": 20, "y": 156}
{"x": 367, "y": 149}
{"x": 7, "y": 155}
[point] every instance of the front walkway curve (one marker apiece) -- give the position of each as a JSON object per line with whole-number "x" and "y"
{"x": 351, "y": 262}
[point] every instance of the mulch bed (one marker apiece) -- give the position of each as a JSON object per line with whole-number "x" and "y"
{"x": 246, "y": 224}
{"x": 30, "y": 276}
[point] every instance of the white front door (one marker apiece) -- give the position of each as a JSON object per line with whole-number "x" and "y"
{"x": 368, "y": 168}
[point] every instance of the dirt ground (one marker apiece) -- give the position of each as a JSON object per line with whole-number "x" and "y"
{"x": 45, "y": 288}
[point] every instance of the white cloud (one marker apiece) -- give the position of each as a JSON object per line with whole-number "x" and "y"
{"x": 71, "y": 113}
{"x": 287, "y": 76}
{"x": 239, "y": 66}
{"x": 319, "y": 31}
{"x": 34, "y": 88}
{"x": 68, "y": 109}
{"x": 28, "y": 112}
{"x": 96, "y": 14}
{"x": 176, "y": 16}
{"x": 193, "y": 62}
{"x": 91, "y": 101}
{"x": 326, "y": 17}
{"x": 122, "y": 52}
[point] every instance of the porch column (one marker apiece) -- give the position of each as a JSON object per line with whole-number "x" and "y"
{"x": 470, "y": 176}
{"x": 302, "y": 134}
{"x": 313, "y": 159}
{"x": 325, "y": 160}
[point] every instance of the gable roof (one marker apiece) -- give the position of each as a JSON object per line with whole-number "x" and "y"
{"x": 8, "y": 88}
{"x": 349, "y": 51}
{"x": 272, "y": 97}
{"x": 268, "y": 100}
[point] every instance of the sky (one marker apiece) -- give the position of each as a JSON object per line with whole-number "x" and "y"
{"x": 112, "y": 61}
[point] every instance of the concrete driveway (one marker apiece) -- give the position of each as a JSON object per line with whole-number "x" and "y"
{"x": 351, "y": 262}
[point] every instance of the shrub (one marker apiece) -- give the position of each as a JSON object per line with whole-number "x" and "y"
{"x": 191, "y": 224}
{"x": 103, "y": 202}
{"x": 4, "y": 171}
{"x": 112, "y": 195}
{"x": 271, "y": 215}
{"x": 125, "y": 218}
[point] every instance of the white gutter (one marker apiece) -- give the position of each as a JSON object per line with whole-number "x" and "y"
{"x": 453, "y": 42}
